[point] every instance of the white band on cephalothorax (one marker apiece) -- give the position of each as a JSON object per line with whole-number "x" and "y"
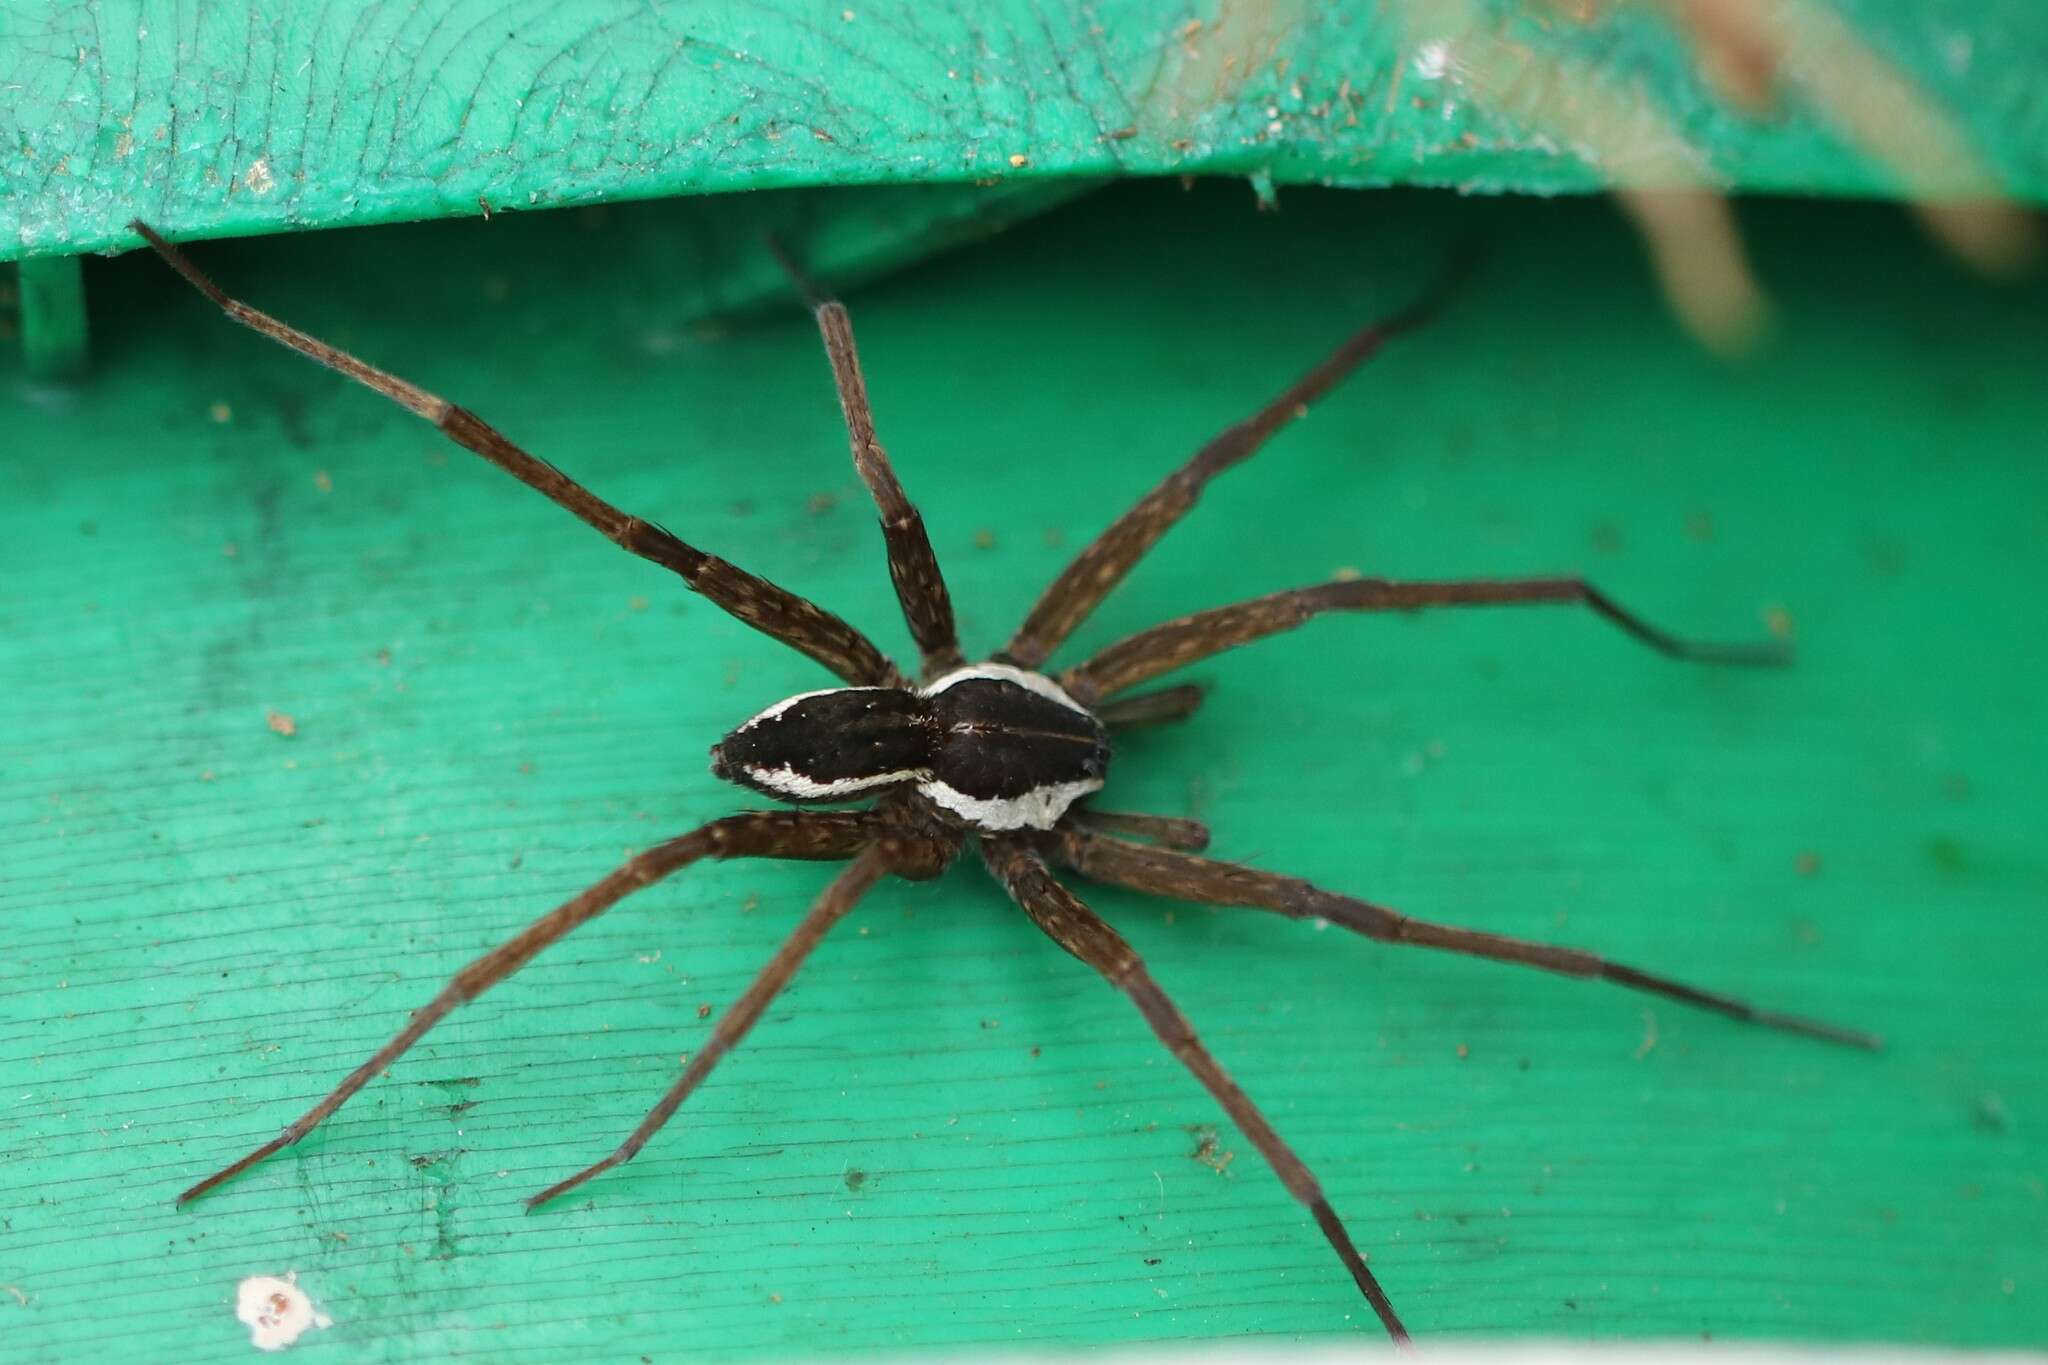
{"x": 789, "y": 782}
{"x": 993, "y": 672}
{"x": 772, "y": 712}
{"x": 1039, "y": 808}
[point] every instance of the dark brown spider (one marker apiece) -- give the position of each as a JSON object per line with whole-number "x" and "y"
{"x": 994, "y": 753}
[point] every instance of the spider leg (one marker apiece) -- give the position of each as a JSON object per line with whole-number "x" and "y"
{"x": 1078, "y": 929}
{"x": 1151, "y": 708}
{"x": 830, "y": 907}
{"x": 1096, "y": 571}
{"x": 1207, "y": 881}
{"x": 774, "y": 611}
{"x": 913, "y": 567}
{"x": 1189, "y": 639}
{"x": 1190, "y": 836}
{"x": 753, "y": 834}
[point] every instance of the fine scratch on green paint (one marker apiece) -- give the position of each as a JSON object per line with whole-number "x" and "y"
{"x": 217, "y": 118}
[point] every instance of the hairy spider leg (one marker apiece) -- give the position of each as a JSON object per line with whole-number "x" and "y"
{"x": 753, "y": 834}
{"x": 913, "y": 567}
{"x": 1078, "y": 929}
{"x": 831, "y": 906}
{"x": 1151, "y": 708}
{"x": 1096, "y": 571}
{"x": 1208, "y": 881}
{"x": 774, "y": 611}
{"x": 1191, "y": 836}
{"x": 1187, "y": 639}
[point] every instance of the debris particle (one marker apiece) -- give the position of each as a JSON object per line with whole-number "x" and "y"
{"x": 1206, "y": 1151}
{"x": 820, "y": 503}
{"x": 856, "y": 1178}
{"x": 1463, "y": 1052}
{"x": 221, "y": 412}
{"x": 1700, "y": 526}
{"x": 259, "y": 179}
{"x": 1649, "y": 1035}
{"x": 984, "y": 539}
{"x": 704, "y": 1011}
{"x": 323, "y": 481}
{"x": 277, "y": 1312}
{"x": 229, "y": 550}
{"x": 1778, "y": 622}
{"x": 1807, "y": 864}
{"x": 636, "y": 604}
{"x": 282, "y": 724}
{"x": 1019, "y": 160}
{"x": 19, "y": 1297}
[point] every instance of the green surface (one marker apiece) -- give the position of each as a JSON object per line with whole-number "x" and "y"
{"x": 949, "y": 1132}
{"x": 226, "y": 118}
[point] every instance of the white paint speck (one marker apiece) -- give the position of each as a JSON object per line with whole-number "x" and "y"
{"x": 259, "y": 179}
{"x": 276, "y": 1311}
{"x": 1432, "y": 60}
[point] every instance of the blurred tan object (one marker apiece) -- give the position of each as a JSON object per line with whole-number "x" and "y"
{"x": 1510, "y": 61}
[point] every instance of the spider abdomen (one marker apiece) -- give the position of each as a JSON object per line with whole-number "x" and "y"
{"x": 996, "y": 747}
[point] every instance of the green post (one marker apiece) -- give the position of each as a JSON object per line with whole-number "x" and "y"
{"x": 53, "y": 331}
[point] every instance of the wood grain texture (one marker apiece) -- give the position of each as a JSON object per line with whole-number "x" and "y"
{"x": 232, "y": 117}
{"x": 948, "y": 1133}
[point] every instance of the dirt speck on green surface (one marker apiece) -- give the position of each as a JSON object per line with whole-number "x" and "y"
{"x": 1947, "y": 854}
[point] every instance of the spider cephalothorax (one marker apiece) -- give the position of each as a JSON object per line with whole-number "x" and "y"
{"x": 998, "y": 753}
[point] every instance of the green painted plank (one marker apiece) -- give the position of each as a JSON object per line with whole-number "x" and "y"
{"x": 219, "y": 118}
{"x": 948, "y": 1134}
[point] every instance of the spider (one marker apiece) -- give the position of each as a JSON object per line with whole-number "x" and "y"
{"x": 994, "y": 754}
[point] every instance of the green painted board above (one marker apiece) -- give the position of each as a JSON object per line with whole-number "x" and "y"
{"x": 220, "y": 119}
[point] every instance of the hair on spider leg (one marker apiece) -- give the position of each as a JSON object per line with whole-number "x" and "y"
{"x": 994, "y": 755}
